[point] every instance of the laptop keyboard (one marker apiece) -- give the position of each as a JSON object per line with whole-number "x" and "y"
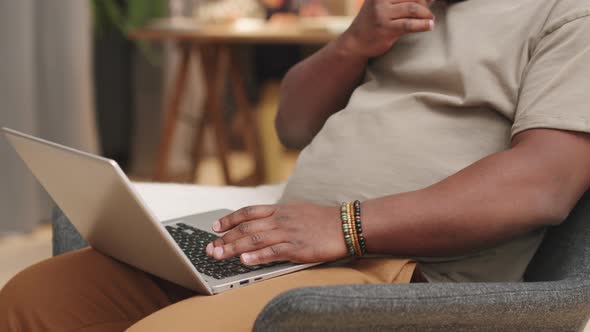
{"x": 193, "y": 242}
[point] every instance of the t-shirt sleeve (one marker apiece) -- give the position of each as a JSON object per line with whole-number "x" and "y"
{"x": 555, "y": 93}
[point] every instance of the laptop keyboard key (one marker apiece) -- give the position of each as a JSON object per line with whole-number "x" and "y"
{"x": 254, "y": 267}
{"x": 240, "y": 269}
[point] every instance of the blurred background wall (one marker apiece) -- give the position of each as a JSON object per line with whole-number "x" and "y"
{"x": 70, "y": 74}
{"x": 45, "y": 90}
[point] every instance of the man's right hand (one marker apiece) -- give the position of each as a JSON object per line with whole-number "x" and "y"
{"x": 380, "y": 23}
{"x": 339, "y": 67}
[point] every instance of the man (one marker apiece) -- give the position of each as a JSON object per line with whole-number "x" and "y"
{"x": 463, "y": 128}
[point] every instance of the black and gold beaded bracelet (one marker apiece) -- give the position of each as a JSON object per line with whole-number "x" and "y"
{"x": 359, "y": 227}
{"x": 346, "y": 229}
{"x": 350, "y": 214}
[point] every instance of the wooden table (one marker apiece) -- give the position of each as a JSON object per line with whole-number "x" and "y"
{"x": 219, "y": 60}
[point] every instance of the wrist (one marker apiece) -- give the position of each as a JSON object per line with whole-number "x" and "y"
{"x": 350, "y": 215}
{"x": 347, "y": 49}
{"x": 339, "y": 245}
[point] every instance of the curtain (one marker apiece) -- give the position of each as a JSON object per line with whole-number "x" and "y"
{"x": 46, "y": 91}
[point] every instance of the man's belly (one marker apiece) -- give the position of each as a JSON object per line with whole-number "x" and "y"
{"x": 371, "y": 153}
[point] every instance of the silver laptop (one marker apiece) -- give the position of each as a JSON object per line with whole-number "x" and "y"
{"x": 101, "y": 202}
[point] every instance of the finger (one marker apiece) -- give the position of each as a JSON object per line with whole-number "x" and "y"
{"x": 249, "y": 243}
{"x": 425, "y": 3}
{"x": 245, "y": 229}
{"x": 409, "y": 25}
{"x": 275, "y": 253}
{"x": 245, "y": 214}
{"x": 409, "y": 10}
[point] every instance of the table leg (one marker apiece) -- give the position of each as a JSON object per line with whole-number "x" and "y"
{"x": 207, "y": 63}
{"x": 244, "y": 109}
{"x": 172, "y": 110}
{"x": 219, "y": 64}
{"x": 198, "y": 146}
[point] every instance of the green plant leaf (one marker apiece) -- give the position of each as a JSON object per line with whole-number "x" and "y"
{"x": 108, "y": 15}
{"x": 140, "y": 12}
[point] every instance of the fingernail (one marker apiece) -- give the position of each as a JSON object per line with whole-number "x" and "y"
{"x": 217, "y": 226}
{"x": 218, "y": 252}
{"x": 431, "y": 24}
{"x": 209, "y": 249}
{"x": 247, "y": 258}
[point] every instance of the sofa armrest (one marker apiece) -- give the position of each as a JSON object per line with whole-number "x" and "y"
{"x": 65, "y": 236}
{"x": 555, "y": 306}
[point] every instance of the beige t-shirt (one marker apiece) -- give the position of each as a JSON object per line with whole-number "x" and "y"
{"x": 442, "y": 100}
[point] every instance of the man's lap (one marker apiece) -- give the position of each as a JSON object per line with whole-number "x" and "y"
{"x": 86, "y": 289}
{"x": 237, "y": 310}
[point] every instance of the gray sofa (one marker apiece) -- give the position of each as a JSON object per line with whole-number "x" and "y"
{"x": 554, "y": 297}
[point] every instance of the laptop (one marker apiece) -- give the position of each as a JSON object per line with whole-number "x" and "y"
{"x": 99, "y": 199}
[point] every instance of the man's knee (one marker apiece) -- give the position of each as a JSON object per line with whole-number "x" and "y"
{"x": 21, "y": 301}
{"x": 42, "y": 296}
{"x": 82, "y": 288}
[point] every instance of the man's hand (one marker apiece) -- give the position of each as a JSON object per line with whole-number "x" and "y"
{"x": 296, "y": 232}
{"x": 339, "y": 67}
{"x": 380, "y": 23}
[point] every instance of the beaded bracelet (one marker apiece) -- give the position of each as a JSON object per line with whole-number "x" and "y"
{"x": 355, "y": 237}
{"x": 350, "y": 214}
{"x": 359, "y": 227}
{"x": 346, "y": 229}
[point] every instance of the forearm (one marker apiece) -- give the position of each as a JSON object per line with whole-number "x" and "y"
{"x": 498, "y": 198}
{"x": 316, "y": 88}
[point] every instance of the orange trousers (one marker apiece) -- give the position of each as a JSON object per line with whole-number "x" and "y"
{"x": 87, "y": 291}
